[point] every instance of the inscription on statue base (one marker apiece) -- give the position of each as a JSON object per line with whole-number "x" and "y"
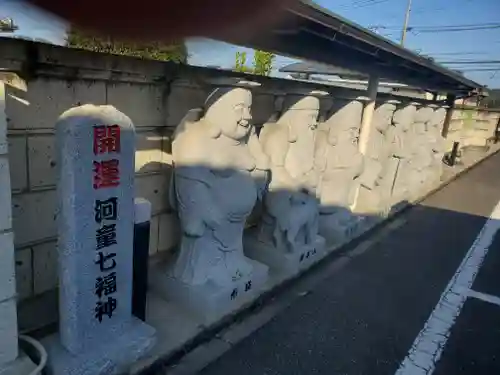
{"x": 210, "y": 302}
{"x": 285, "y": 264}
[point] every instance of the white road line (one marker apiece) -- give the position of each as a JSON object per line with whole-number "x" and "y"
{"x": 429, "y": 344}
{"x": 484, "y": 297}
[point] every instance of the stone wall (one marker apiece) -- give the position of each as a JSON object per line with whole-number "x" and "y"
{"x": 473, "y": 126}
{"x": 43, "y": 81}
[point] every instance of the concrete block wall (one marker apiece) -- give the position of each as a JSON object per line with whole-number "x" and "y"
{"x": 472, "y": 126}
{"x": 155, "y": 96}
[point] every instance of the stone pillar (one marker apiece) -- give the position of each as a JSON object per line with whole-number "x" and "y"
{"x": 97, "y": 332}
{"x": 11, "y": 361}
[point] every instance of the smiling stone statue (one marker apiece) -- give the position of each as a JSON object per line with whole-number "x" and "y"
{"x": 219, "y": 173}
{"x": 214, "y": 190}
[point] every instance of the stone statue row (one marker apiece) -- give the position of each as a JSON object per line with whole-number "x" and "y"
{"x": 316, "y": 191}
{"x": 313, "y": 182}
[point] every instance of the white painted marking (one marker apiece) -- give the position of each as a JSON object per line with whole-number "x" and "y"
{"x": 429, "y": 344}
{"x": 484, "y": 297}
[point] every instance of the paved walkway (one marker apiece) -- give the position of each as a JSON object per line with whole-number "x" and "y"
{"x": 409, "y": 304}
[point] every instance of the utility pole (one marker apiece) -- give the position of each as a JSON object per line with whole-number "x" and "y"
{"x": 405, "y": 26}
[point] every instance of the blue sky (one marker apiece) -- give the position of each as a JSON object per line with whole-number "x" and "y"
{"x": 485, "y": 44}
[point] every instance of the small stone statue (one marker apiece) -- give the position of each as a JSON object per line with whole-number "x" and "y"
{"x": 403, "y": 119}
{"x": 339, "y": 164}
{"x": 290, "y": 219}
{"x": 214, "y": 189}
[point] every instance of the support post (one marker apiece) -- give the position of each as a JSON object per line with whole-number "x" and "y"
{"x": 450, "y": 159}
{"x": 366, "y": 124}
{"x": 450, "y": 102}
{"x": 142, "y": 225}
{"x": 368, "y": 111}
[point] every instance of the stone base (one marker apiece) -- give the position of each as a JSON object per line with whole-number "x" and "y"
{"x": 339, "y": 230}
{"x": 210, "y": 302}
{"x": 23, "y": 365}
{"x": 113, "y": 355}
{"x": 286, "y": 264}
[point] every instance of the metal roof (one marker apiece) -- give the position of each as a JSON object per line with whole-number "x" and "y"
{"x": 312, "y": 33}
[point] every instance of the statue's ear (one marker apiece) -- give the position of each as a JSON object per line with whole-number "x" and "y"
{"x": 214, "y": 131}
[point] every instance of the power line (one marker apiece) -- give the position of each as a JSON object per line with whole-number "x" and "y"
{"x": 479, "y": 70}
{"x": 354, "y": 3}
{"x": 457, "y": 53}
{"x": 459, "y": 25}
{"x": 424, "y": 10}
{"x": 441, "y": 27}
{"x": 370, "y": 4}
{"x": 443, "y": 30}
{"x": 467, "y": 62}
{"x": 361, "y": 4}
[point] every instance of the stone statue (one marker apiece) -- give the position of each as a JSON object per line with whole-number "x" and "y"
{"x": 339, "y": 164}
{"x": 402, "y": 120}
{"x": 422, "y": 159}
{"x": 214, "y": 187}
{"x": 378, "y": 176}
{"x": 290, "y": 219}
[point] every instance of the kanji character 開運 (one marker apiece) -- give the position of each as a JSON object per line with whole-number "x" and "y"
{"x": 106, "y": 173}
{"x": 106, "y": 139}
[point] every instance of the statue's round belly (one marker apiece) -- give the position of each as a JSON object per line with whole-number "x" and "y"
{"x": 235, "y": 194}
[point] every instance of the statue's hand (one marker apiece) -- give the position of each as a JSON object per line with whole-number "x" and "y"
{"x": 194, "y": 228}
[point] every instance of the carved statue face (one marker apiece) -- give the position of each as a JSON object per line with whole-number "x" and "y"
{"x": 229, "y": 109}
{"x": 345, "y": 134}
{"x": 301, "y": 112}
{"x": 303, "y": 118}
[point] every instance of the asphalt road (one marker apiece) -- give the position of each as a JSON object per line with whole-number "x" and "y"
{"x": 365, "y": 318}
